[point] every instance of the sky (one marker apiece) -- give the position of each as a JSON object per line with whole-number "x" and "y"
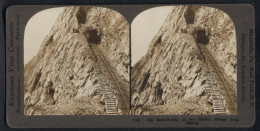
{"x": 36, "y": 29}
{"x": 144, "y": 27}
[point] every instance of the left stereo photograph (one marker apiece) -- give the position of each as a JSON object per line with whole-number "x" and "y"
{"x": 77, "y": 62}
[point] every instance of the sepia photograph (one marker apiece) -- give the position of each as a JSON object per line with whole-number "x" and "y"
{"x": 129, "y": 65}
{"x": 77, "y": 62}
{"x": 184, "y": 62}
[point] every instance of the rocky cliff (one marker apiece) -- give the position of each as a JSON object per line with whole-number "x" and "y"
{"x": 60, "y": 79}
{"x": 170, "y": 79}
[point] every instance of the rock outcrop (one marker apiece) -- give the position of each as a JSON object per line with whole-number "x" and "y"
{"x": 60, "y": 79}
{"x": 170, "y": 79}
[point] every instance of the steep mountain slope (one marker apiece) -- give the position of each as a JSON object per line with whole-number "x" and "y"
{"x": 171, "y": 78}
{"x": 60, "y": 79}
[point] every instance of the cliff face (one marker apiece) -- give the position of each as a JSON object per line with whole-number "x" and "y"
{"x": 61, "y": 79}
{"x": 170, "y": 79}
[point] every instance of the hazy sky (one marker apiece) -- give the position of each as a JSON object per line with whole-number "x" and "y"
{"x": 144, "y": 27}
{"x": 36, "y": 29}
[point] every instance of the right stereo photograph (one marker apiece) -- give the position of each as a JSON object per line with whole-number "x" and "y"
{"x": 184, "y": 62}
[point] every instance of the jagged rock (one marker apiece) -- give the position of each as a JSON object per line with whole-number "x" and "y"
{"x": 60, "y": 79}
{"x": 169, "y": 79}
